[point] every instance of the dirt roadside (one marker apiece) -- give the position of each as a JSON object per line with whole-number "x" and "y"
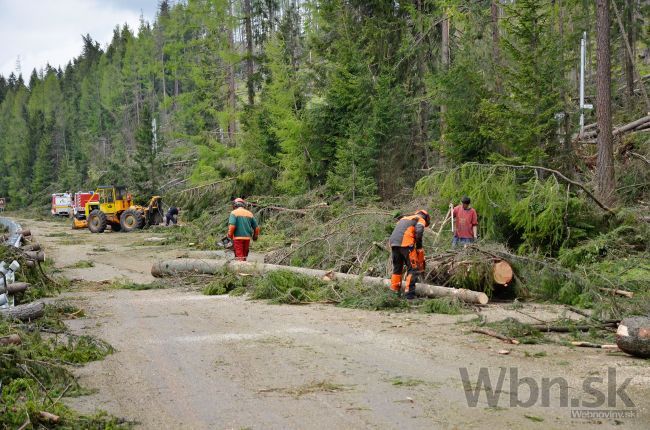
{"x": 190, "y": 361}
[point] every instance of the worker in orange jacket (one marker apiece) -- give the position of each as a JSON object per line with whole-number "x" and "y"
{"x": 242, "y": 227}
{"x": 407, "y": 250}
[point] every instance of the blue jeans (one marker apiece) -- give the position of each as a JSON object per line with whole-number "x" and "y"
{"x": 461, "y": 240}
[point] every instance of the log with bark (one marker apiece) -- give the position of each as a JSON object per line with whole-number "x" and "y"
{"x": 186, "y": 266}
{"x": 32, "y": 247}
{"x": 35, "y": 255}
{"x": 616, "y": 291}
{"x": 27, "y": 312}
{"x": 49, "y": 418}
{"x": 12, "y": 339}
{"x": 591, "y": 131}
{"x": 16, "y": 287}
{"x": 633, "y": 336}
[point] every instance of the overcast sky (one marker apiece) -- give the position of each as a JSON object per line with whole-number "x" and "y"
{"x": 49, "y": 31}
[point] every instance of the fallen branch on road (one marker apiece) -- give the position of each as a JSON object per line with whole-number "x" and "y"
{"x": 489, "y": 332}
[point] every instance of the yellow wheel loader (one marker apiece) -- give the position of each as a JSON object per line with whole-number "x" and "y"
{"x": 115, "y": 207}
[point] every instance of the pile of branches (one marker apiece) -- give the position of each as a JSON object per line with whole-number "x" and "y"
{"x": 470, "y": 267}
{"x": 35, "y": 359}
{"x": 353, "y": 242}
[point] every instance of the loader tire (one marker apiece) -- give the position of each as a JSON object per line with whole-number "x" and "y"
{"x": 97, "y": 221}
{"x": 131, "y": 220}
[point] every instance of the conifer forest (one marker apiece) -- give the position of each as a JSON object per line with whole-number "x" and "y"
{"x": 335, "y": 121}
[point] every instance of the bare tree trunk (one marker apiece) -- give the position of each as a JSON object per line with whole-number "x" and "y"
{"x": 164, "y": 82}
{"x": 249, "y": 52}
{"x": 628, "y": 16}
{"x": 232, "y": 125}
{"x": 605, "y": 160}
{"x": 496, "y": 51}
{"x": 566, "y": 123}
{"x": 444, "y": 50}
{"x": 423, "y": 109}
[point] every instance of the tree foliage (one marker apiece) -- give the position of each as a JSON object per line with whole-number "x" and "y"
{"x": 351, "y": 97}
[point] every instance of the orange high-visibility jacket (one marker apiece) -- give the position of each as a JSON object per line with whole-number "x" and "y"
{"x": 408, "y": 232}
{"x": 242, "y": 225}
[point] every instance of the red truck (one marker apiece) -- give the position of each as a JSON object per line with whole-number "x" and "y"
{"x": 79, "y": 207}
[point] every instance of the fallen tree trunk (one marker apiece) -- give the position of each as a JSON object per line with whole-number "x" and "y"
{"x": 32, "y": 247}
{"x": 636, "y": 124}
{"x": 633, "y": 336}
{"x": 189, "y": 266}
{"x": 27, "y": 312}
{"x": 615, "y": 291}
{"x": 16, "y": 287}
{"x": 35, "y": 255}
{"x": 12, "y": 339}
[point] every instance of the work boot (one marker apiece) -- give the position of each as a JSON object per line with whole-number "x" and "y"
{"x": 410, "y": 295}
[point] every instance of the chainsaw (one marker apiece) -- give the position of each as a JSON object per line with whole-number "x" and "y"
{"x": 225, "y": 243}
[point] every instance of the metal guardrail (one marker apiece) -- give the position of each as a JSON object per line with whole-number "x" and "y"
{"x": 14, "y": 229}
{"x": 7, "y": 272}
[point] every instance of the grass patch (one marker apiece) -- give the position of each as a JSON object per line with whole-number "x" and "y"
{"x": 534, "y": 418}
{"x": 405, "y": 382}
{"x": 101, "y": 249}
{"x": 81, "y": 264}
{"x": 58, "y": 234}
{"x": 539, "y": 354}
{"x": 226, "y": 282}
{"x": 513, "y": 328}
{"x": 129, "y": 285}
{"x": 284, "y": 287}
{"x": 309, "y": 388}
{"x": 35, "y": 374}
{"x": 443, "y": 305}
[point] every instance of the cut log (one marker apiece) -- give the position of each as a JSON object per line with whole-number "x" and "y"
{"x": 47, "y": 417}
{"x": 35, "y": 255}
{"x": 17, "y": 287}
{"x": 502, "y": 272}
{"x": 27, "y": 312}
{"x": 12, "y": 339}
{"x": 614, "y": 291}
{"x": 189, "y": 266}
{"x": 25, "y": 233}
{"x": 32, "y": 247}
{"x": 633, "y": 336}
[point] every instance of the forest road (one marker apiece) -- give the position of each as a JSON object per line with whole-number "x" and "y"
{"x": 188, "y": 361}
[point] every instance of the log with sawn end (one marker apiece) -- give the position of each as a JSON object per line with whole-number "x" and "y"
{"x": 189, "y": 266}
{"x": 27, "y": 312}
